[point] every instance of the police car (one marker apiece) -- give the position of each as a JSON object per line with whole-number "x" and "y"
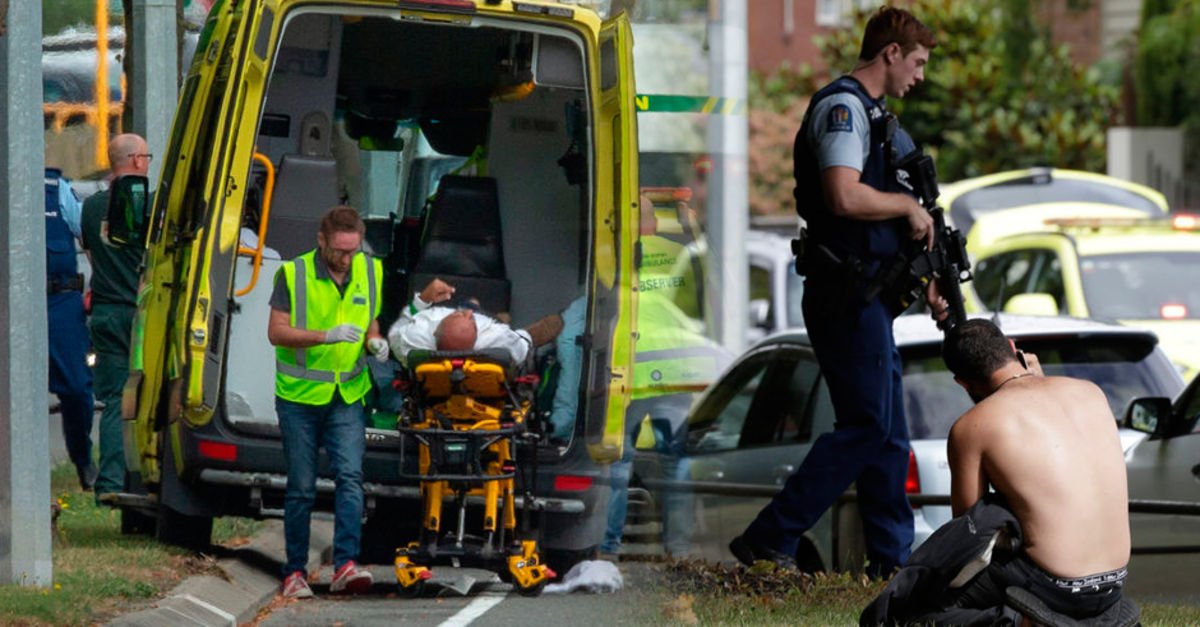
{"x": 1126, "y": 267}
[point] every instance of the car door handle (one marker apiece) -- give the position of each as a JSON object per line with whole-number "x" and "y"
{"x": 782, "y": 472}
{"x": 1196, "y": 471}
{"x": 714, "y": 475}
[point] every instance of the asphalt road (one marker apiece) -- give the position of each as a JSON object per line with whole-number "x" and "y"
{"x": 488, "y": 602}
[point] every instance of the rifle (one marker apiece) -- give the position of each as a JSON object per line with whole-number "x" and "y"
{"x": 902, "y": 281}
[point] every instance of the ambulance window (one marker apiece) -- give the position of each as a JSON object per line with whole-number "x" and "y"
{"x": 608, "y": 64}
{"x": 264, "y": 33}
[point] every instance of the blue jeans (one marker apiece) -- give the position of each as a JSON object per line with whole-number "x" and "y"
{"x": 668, "y": 417}
{"x": 339, "y": 428}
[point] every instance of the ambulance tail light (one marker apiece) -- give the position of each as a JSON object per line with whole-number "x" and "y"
{"x": 218, "y": 451}
{"x": 572, "y": 483}
{"x": 1185, "y": 222}
{"x": 1173, "y": 311}
{"x": 912, "y": 481}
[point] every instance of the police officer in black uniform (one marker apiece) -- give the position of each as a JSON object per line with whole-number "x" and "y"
{"x": 857, "y": 219}
{"x": 70, "y": 377}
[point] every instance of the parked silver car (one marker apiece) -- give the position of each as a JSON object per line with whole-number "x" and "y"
{"x": 751, "y": 429}
{"x": 1165, "y": 466}
{"x": 775, "y": 288}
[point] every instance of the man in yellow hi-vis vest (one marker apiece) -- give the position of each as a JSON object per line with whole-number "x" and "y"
{"x": 674, "y": 360}
{"x": 325, "y": 304}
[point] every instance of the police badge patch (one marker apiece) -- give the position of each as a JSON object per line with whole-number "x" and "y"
{"x": 839, "y": 119}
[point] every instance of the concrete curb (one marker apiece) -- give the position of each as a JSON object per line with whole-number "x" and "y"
{"x": 252, "y": 578}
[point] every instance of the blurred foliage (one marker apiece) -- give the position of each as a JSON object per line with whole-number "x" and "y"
{"x": 1166, "y": 62}
{"x": 58, "y": 15}
{"x": 983, "y": 107}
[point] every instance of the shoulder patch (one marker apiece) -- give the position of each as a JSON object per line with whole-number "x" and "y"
{"x": 839, "y": 119}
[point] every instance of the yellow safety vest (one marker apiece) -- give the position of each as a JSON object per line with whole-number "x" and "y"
{"x": 311, "y": 375}
{"x": 671, "y": 355}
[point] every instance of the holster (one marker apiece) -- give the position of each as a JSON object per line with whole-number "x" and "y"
{"x": 57, "y": 285}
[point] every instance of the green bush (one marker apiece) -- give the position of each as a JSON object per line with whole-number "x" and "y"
{"x": 984, "y": 107}
{"x": 1166, "y": 63}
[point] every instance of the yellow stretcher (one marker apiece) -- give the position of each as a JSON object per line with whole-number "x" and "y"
{"x": 468, "y": 420}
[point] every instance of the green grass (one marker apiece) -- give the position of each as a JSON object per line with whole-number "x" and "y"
{"x": 99, "y": 573}
{"x": 714, "y": 595}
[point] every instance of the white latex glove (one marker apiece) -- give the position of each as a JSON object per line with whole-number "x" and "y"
{"x": 343, "y": 333}
{"x": 378, "y": 348}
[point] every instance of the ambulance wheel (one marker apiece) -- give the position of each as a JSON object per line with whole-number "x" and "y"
{"x": 532, "y": 591}
{"x": 136, "y": 522}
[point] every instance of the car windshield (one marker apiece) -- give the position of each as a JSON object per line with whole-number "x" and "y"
{"x": 1141, "y": 285}
{"x": 1125, "y": 367}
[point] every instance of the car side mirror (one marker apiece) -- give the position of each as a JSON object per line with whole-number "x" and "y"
{"x": 128, "y": 218}
{"x": 759, "y": 314}
{"x": 1150, "y": 415}
{"x": 1038, "y": 304}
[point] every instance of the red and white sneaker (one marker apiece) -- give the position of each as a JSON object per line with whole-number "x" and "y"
{"x": 351, "y": 579}
{"x": 296, "y": 587}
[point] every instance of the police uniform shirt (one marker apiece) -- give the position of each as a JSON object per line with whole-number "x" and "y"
{"x": 69, "y": 207}
{"x": 840, "y": 132}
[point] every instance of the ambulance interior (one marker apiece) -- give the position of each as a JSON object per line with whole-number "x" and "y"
{"x": 361, "y": 111}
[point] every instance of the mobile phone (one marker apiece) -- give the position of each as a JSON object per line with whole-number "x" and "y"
{"x": 1021, "y": 358}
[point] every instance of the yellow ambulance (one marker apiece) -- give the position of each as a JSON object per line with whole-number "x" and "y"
{"x": 523, "y": 111}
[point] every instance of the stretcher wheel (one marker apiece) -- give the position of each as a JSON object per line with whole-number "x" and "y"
{"x": 413, "y": 591}
{"x": 532, "y": 591}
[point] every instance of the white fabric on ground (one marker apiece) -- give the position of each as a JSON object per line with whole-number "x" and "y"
{"x": 589, "y": 576}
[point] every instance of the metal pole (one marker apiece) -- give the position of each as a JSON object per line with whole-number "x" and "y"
{"x": 155, "y": 80}
{"x": 24, "y": 434}
{"x": 728, "y": 198}
{"x": 101, "y": 87}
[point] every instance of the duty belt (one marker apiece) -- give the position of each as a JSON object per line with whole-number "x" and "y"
{"x": 57, "y": 285}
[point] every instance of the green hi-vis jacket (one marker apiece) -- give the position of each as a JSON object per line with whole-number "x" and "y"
{"x": 672, "y": 355}
{"x": 311, "y": 375}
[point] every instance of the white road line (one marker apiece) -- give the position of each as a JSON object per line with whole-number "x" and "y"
{"x": 210, "y": 607}
{"x": 475, "y": 609}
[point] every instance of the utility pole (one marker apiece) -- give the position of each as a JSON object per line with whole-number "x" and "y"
{"x": 729, "y": 189}
{"x": 150, "y": 36}
{"x": 24, "y": 435}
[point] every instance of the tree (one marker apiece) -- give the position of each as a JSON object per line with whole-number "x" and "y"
{"x": 58, "y": 15}
{"x": 985, "y": 106}
{"x": 1166, "y": 62}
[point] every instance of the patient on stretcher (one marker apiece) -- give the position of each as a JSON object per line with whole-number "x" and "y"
{"x": 428, "y": 324}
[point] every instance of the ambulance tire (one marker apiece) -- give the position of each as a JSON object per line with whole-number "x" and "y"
{"x": 175, "y": 527}
{"x": 189, "y": 532}
{"x": 136, "y": 521}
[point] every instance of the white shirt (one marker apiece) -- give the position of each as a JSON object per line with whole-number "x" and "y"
{"x": 414, "y": 331}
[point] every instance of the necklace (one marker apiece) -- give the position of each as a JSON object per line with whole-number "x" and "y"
{"x": 1006, "y": 381}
